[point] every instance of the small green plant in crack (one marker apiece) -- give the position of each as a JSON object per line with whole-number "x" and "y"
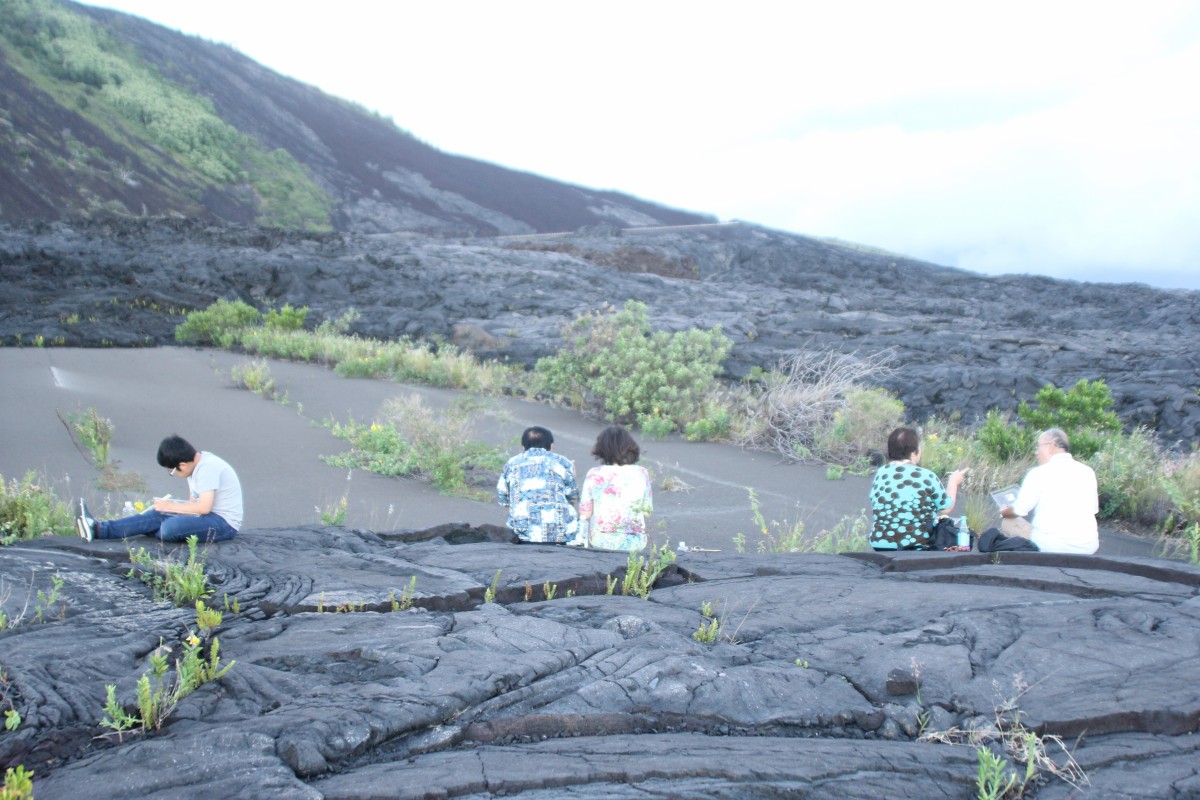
{"x": 992, "y": 779}
{"x": 18, "y": 784}
{"x": 115, "y": 715}
{"x": 183, "y": 584}
{"x": 1038, "y": 753}
{"x": 641, "y": 572}
{"x": 207, "y": 619}
{"x": 549, "y": 590}
{"x": 709, "y": 631}
{"x": 489, "y": 594}
{"x": 12, "y": 717}
{"x": 160, "y": 690}
{"x": 923, "y": 716}
{"x": 406, "y": 596}
{"x": 48, "y": 604}
{"x": 710, "y": 627}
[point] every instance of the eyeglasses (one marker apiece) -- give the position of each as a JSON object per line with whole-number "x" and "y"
{"x": 173, "y": 471}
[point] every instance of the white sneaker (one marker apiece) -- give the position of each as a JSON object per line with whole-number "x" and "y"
{"x": 84, "y": 524}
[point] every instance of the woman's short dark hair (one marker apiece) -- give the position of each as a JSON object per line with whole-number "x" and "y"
{"x": 902, "y": 444}
{"x": 175, "y": 450}
{"x": 614, "y": 445}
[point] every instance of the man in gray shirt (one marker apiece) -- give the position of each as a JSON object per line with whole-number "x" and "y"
{"x": 212, "y": 512}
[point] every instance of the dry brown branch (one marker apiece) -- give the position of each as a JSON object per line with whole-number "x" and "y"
{"x": 803, "y": 394}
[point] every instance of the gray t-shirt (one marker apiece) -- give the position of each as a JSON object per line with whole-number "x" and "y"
{"x": 213, "y": 474}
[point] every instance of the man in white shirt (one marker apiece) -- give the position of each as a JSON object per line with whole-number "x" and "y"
{"x": 1060, "y": 498}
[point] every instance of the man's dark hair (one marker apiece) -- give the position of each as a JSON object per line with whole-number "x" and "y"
{"x": 614, "y": 445}
{"x": 175, "y": 450}
{"x": 902, "y": 444}
{"x": 537, "y": 436}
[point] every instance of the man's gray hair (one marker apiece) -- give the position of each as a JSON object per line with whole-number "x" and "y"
{"x": 1058, "y": 437}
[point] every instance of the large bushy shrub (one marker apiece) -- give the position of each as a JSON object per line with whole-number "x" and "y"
{"x": 612, "y": 363}
{"x": 218, "y": 324}
{"x": 1083, "y": 413}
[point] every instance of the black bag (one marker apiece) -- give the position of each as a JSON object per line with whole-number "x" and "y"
{"x": 944, "y": 534}
{"x": 993, "y": 541}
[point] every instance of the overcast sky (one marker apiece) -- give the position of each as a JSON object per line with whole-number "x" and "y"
{"x": 1060, "y": 138}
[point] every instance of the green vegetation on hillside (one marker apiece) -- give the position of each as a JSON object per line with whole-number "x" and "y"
{"x": 77, "y": 63}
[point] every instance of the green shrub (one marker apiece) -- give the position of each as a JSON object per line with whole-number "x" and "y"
{"x": 29, "y": 509}
{"x": 411, "y": 439}
{"x": 286, "y": 318}
{"x": 219, "y": 324}
{"x": 656, "y": 426}
{"x": 255, "y": 376}
{"x": 1083, "y": 413}
{"x": 715, "y": 425}
{"x": 863, "y": 423}
{"x": 612, "y": 363}
{"x": 1003, "y": 441}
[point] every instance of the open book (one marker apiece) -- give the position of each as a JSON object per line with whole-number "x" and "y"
{"x": 175, "y": 513}
{"x": 1006, "y": 496}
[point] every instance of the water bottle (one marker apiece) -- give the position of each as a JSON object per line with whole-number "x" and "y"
{"x": 964, "y": 533}
{"x": 128, "y": 510}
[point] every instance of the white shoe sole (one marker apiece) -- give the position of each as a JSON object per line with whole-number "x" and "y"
{"x": 81, "y": 525}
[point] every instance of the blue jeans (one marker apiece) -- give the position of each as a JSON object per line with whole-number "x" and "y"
{"x": 167, "y": 527}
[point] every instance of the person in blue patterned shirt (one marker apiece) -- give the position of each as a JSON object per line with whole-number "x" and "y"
{"x": 539, "y": 488}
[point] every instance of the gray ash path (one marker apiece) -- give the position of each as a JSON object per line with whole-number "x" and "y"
{"x": 596, "y": 696}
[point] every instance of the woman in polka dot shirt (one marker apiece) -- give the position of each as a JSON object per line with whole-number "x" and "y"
{"x": 906, "y": 499}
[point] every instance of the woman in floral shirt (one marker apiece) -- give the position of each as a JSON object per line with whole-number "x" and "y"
{"x": 616, "y": 496}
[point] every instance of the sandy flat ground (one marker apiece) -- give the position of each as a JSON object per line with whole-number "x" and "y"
{"x": 276, "y": 447}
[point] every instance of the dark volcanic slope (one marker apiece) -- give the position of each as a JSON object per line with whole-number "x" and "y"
{"x": 965, "y": 342}
{"x": 58, "y": 164}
